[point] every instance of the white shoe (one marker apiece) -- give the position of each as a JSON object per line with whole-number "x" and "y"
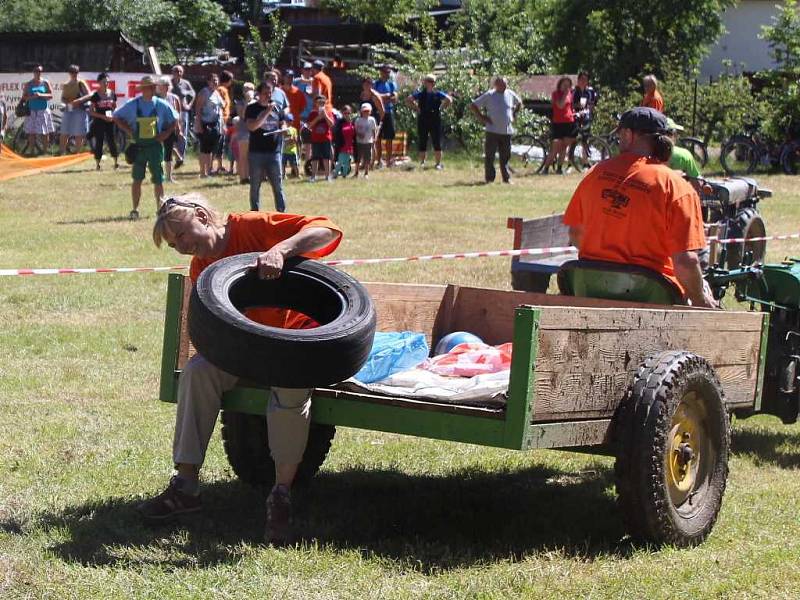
{"x": 439, "y": 167}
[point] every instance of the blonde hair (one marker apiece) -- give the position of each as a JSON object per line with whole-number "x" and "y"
{"x": 178, "y": 208}
{"x": 650, "y": 79}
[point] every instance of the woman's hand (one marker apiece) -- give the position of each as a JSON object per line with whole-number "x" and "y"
{"x": 270, "y": 264}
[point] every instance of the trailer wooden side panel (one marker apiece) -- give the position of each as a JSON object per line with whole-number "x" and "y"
{"x": 588, "y": 356}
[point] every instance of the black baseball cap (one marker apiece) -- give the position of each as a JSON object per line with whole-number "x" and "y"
{"x": 643, "y": 119}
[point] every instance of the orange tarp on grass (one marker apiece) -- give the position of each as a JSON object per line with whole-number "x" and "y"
{"x": 13, "y": 165}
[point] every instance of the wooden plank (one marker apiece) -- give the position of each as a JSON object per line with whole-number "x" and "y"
{"x": 594, "y": 351}
{"x": 569, "y": 435}
{"x": 403, "y": 307}
{"x": 650, "y": 318}
{"x": 575, "y": 396}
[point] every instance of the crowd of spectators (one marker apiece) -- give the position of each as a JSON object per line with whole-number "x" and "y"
{"x": 289, "y": 125}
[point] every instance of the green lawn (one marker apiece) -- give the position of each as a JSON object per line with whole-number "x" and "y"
{"x": 84, "y": 437}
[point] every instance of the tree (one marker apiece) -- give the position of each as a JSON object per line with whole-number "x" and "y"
{"x": 617, "y": 39}
{"x": 395, "y": 14}
{"x": 178, "y": 28}
{"x": 510, "y": 34}
{"x": 783, "y": 85}
{"x": 260, "y": 54}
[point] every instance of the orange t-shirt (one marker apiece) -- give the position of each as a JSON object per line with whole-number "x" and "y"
{"x": 297, "y": 104}
{"x": 636, "y": 210}
{"x": 323, "y": 85}
{"x": 226, "y": 102}
{"x": 654, "y": 100}
{"x": 258, "y": 232}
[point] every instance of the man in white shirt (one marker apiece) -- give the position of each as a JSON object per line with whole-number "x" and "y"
{"x": 497, "y": 109}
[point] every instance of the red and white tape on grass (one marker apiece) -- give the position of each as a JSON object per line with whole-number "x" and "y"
{"x": 373, "y": 261}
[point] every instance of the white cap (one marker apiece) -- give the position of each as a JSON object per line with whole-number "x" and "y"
{"x": 366, "y": 106}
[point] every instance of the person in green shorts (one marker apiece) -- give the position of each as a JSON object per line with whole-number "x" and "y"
{"x": 681, "y": 159}
{"x": 148, "y": 120}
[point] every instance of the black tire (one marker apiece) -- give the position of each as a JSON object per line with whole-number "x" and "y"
{"x": 293, "y": 358}
{"x": 527, "y": 154}
{"x": 698, "y": 149}
{"x": 598, "y": 150}
{"x": 246, "y": 443}
{"x": 790, "y": 158}
{"x": 748, "y": 224}
{"x": 739, "y": 156}
{"x": 659, "y": 501}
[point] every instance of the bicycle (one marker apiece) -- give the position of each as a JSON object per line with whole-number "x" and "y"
{"x": 591, "y": 149}
{"x": 741, "y": 154}
{"x": 697, "y": 147}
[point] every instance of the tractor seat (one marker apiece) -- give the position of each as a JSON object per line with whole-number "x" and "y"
{"x": 616, "y": 281}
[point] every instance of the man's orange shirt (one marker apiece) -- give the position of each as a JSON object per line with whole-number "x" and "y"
{"x": 654, "y": 100}
{"x": 226, "y": 102}
{"x": 297, "y": 104}
{"x": 258, "y": 232}
{"x": 323, "y": 85}
{"x": 635, "y": 210}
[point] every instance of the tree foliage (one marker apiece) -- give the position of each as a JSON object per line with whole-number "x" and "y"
{"x": 510, "y": 34}
{"x": 259, "y": 53}
{"x": 178, "y": 28}
{"x": 395, "y": 14}
{"x": 617, "y": 39}
{"x": 783, "y": 90}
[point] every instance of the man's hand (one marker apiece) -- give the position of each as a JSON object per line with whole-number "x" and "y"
{"x": 270, "y": 264}
{"x": 486, "y": 119}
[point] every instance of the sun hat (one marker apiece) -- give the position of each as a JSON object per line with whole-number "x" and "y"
{"x": 147, "y": 81}
{"x": 318, "y": 63}
{"x": 366, "y": 106}
{"x": 307, "y": 65}
{"x": 643, "y": 119}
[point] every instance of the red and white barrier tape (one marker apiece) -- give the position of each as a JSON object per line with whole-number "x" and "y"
{"x": 373, "y": 261}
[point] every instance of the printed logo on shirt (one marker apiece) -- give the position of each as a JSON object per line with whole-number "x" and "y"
{"x": 617, "y": 202}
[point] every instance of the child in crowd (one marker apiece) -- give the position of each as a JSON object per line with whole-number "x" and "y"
{"x": 345, "y": 137}
{"x": 290, "y": 148}
{"x": 366, "y": 130}
{"x": 320, "y": 122}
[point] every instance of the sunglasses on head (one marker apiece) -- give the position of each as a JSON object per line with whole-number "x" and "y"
{"x": 170, "y": 202}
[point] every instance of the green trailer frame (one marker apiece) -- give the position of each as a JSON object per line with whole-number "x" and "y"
{"x": 544, "y": 407}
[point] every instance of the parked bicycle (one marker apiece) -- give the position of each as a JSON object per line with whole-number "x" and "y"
{"x": 528, "y": 152}
{"x": 743, "y": 153}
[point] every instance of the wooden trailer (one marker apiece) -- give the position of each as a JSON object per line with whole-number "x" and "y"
{"x": 652, "y": 385}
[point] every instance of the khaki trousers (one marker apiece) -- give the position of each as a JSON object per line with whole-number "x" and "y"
{"x": 200, "y": 391}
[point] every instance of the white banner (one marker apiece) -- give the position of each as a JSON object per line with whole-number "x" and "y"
{"x": 12, "y": 84}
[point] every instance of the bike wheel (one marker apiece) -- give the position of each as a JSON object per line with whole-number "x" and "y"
{"x": 587, "y": 153}
{"x": 527, "y": 154}
{"x": 698, "y": 149}
{"x": 790, "y": 158}
{"x": 739, "y": 156}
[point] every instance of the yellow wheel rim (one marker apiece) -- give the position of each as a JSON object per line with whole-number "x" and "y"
{"x": 688, "y": 449}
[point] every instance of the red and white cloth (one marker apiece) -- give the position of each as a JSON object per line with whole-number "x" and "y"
{"x": 470, "y": 359}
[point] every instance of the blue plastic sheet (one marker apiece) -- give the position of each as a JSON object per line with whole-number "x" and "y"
{"x": 391, "y": 353}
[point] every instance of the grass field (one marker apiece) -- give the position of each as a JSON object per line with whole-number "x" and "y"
{"x": 84, "y": 437}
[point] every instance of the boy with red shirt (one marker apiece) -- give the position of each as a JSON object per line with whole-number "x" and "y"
{"x": 320, "y": 122}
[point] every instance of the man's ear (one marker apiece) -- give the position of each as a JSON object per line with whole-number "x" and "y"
{"x": 201, "y": 214}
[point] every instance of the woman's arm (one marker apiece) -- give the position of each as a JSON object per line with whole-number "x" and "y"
{"x": 412, "y": 103}
{"x": 561, "y": 102}
{"x": 377, "y": 99}
{"x": 447, "y": 100}
{"x": 270, "y": 263}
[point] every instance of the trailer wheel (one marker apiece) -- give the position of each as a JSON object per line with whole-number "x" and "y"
{"x": 246, "y": 443}
{"x": 672, "y": 435}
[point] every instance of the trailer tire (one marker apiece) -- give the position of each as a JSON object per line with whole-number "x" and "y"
{"x": 246, "y": 441}
{"x": 672, "y": 437}
{"x": 292, "y": 358}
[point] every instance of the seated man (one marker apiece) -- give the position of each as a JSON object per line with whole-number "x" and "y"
{"x": 633, "y": 209}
